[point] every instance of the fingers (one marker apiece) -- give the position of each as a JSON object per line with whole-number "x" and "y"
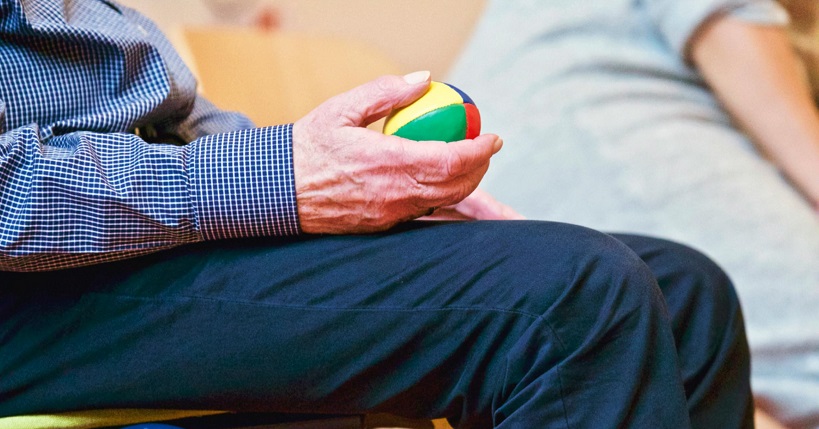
{"x": 436, "y": 174}
{"x": 431, "y": 162}
{"x": 428, "y": 183}
{"x": 466, "y": 154}
{"x": 374, "y": 100}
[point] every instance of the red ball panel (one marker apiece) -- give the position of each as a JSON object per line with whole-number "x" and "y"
{"x": 473, "y": 121}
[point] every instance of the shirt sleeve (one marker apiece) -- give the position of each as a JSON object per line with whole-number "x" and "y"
{"x": 85, "y": 198}
{"x": 678, "y": 20}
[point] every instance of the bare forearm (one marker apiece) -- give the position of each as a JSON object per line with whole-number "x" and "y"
{"x": 755, "y": 72}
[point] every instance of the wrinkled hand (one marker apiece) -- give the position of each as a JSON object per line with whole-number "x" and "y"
{"x": 479, "y": 205}
{"x": 350, "y": 179}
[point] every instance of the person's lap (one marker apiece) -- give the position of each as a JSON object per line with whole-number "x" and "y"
{"x": 292, "y": 325}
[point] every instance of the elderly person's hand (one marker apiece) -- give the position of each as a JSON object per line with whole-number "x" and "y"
{"x": 350, "y": 179}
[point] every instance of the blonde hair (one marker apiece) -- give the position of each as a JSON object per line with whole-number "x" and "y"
{"x": 804, "y": 32}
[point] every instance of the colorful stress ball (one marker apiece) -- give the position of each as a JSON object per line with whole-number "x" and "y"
{"x": 444, "y": 113}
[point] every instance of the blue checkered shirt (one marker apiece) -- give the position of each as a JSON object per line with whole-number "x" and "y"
{"x": 78, "y": 186}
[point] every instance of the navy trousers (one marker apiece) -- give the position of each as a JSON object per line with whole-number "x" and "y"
{"x": 490, "y": 324}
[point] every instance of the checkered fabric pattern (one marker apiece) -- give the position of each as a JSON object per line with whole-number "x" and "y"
{"x": 78, "y": 186}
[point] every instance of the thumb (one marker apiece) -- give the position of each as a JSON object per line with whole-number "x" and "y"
{"x": 374, "y": 100}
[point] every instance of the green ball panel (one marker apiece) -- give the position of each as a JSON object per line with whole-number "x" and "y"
{"x": 445, "y": 124}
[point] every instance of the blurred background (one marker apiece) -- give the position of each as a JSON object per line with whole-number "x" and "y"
{"x": 277, "y": 59}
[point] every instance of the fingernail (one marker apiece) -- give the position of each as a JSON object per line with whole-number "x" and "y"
{"x": 417, "y": 77}
{"x": 498, "y": 144}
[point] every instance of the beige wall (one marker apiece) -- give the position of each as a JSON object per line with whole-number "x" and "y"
{"x": 416, "y": 34}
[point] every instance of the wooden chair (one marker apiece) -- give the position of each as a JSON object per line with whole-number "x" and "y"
{"x": 191, "y": 419}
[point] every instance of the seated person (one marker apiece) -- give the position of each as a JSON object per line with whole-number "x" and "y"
{"x": 686, "y": 119}
{"x": 157, "y": 252}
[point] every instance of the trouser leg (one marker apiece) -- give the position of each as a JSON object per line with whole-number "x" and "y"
{"x": 511, "y": 324}
{"x": 708, "y": 329}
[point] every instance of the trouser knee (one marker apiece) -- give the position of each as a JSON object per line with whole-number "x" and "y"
{"x": 602, "y": 331}
{"x": 708, "y": 329}
{"x": 700, "y": 297}
{"x": 576, "y": 266}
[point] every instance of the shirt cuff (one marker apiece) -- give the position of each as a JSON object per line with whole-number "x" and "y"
{"x": 242, "y": 183}
{"x": 681, "y": 19}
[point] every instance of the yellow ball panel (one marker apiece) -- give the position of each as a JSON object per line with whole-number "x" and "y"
{"x": 438, "y": 95}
